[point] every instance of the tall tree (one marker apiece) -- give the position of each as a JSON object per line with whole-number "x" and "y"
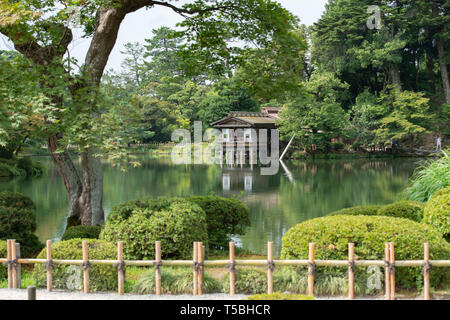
{"x": 41, "y": 32}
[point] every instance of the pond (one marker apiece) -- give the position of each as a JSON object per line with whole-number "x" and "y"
{"x": 300, "y": 191}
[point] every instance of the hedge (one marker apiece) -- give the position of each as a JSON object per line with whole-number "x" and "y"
{"x": 224, "y": 217}
{"x": 331, "y": 236}
{"x": 82, "y": 232}
{"x": 370, "y": 210}
{"x": 16, "y": 200}
{"x": 101, "y": 277}
{"x": 411, "y": 210}
{"x": 176, "y": 222}
{"x": 437, "y": 212}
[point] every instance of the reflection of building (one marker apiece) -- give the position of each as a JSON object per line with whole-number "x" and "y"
{"x": 226, "y": 182}
{"x": 236, "y": 179}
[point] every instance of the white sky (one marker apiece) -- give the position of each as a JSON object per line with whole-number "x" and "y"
{"x": 139, "y": 25}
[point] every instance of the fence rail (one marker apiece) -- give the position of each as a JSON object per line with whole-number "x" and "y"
{"x": 13, "y": 262}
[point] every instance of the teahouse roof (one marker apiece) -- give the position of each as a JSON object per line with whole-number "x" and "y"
{"x": 240, "y": 119}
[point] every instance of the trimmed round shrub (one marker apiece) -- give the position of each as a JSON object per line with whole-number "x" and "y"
{"x": 20, "y": 224}
{"x": 411, "y": 210}
{"x": 3, "y": 255}
{"x": 82, "y": 232}
{"x": 101, "y": 277}
{"x": 174, "y": 281}
{"x": 331, "y": 236}
{"x": 16, "y": 200}
{"x": 176, "y": 222}
{"x": 224, "y": 217}
{"x": 247, "y": 281}
{"x": 371, "y": 210}
{"x": 437, "y": 212}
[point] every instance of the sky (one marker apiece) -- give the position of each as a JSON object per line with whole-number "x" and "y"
{"x": 139, "y": 25}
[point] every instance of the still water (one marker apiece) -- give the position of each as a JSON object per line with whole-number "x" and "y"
{"x": 300, "y": 191}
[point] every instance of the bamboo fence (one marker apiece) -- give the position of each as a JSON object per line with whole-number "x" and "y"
{"x": 198, "y": 264}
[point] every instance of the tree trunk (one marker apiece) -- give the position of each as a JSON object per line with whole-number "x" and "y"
{"x": 394, "y": 75}
{"x": 444, "y": 71}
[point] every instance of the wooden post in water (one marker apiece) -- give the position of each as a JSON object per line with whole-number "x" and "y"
{"x": 158, "y": 267}
{"x": 426, "y": 272}
{"x": 311, "y": 270}
{"x": 195, "y": 261}
{"x": 14, "y": 258}
{"x": 351, "y": 271}
{"x": 120, "y": 269}
{"x": 19, "y": 267}
{"x": 49, "y": 266}
{"x": 392, "y": 261}
{"x": 270, "y": 267}
{"x": 387, "y": 272}
{"x": 232, "y": 269}
{"x": 8, "y": 257}
{"x": 85, "y": 266}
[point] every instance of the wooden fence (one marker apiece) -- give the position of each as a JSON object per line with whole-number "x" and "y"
{"x": 198, "y": 263}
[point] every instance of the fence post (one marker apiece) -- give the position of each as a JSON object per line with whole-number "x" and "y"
{"x": 392, "y": 271}
{"x": 85, "y": 266}
{"x": 19, "y": 267}
{"x": 311, "y": 270}
{"x": 387, "y": 272}
{"x": 31, "y": 293}
{"x": 200, "y": 271}
{"x": 351, "y": 270}
{"x": 8, "y": 258}
{"x": 14, "y": 267}
{"x": 232, "y": 269}
{"x": 49, "y": 266}
{"x": 158, "y": 267}
{"x": 270, "y": 267}
{"x": 426, "y": 272}
{"x": 195, "y": 263}
{"x": 120, "y": 268}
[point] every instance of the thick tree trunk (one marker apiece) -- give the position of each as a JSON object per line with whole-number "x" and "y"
{"x": 444, "y": 71}
{"x": 394, "y": 75}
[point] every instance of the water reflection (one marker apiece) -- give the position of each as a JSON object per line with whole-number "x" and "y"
{"x": 301, "y": 190}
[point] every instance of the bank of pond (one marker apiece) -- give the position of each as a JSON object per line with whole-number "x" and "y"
{"x": 178, "y": 222}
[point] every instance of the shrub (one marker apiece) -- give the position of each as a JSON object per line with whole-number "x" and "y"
{"x": 371, "y": 210}
{"x": 3, "y": 255}
{"x": 279, "y": 296}
{"x": 102, "y": 278}
{"x": 177, "y": 223}
{"x": 331, "y": 236}
{"x": 16, "y": 200}
{"x": 411, "y": 210}
{"x": 82, "y": 232}
{"x": 174, "y": 281}
{"x": 73, "y": 222}
{"x": 224, "y": 217}
{"x": 247, "y": 281}
{"x": 20, "y": 224}
{"x": 430, "y": 178}
{"x": 437, "y": 212}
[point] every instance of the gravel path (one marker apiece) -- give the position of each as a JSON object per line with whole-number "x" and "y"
{"x": 21, "y": 294}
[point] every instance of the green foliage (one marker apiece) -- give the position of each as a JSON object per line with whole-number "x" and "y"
{"x": 247, "y": 281}
{"x": 73, "y": 222}
{"x": 174, "y": 281}
{"x": 331, "y": 236}
{"x": 16, "y": 200}
{"x": 17, "y": 221}
{"x": 429, "y": 178}
{"x": 82, "y": 232}
{"x": 3, "y": 254}
{"x": 101, "y": 277}
{"x": 371, "y": 210}
{"x": 176, "y": 222}
{"x": 225, "y": 217}
{"x": 279, "y": 296}
{"x": 404, "y": 209}
{"x": 437, "y": 212}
